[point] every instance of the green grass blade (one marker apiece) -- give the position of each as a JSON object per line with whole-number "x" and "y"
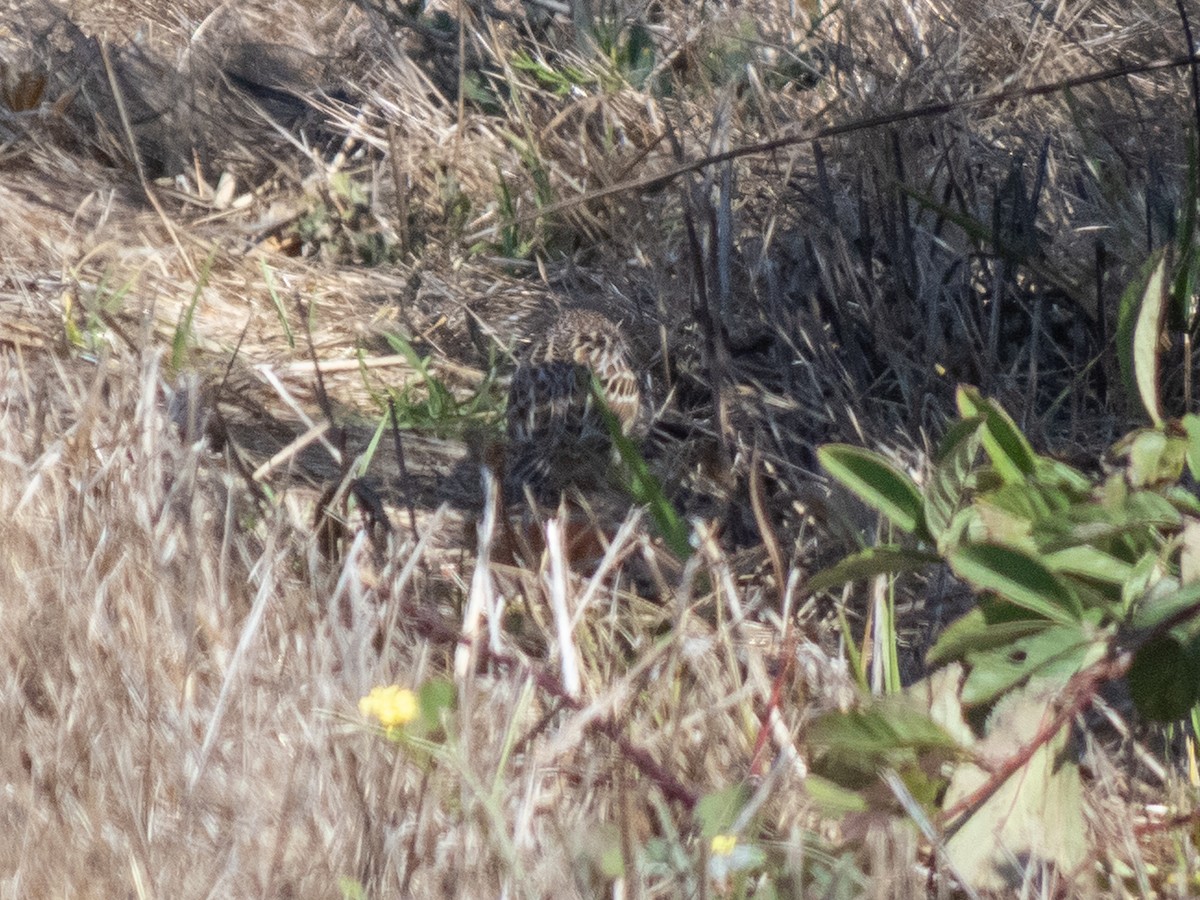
{"x": 278, "y": 303}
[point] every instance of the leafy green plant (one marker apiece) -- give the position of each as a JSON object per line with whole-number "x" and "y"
{"x": 277, "y": 302}
{"x": 456, "y": 205}
{"x": 1081, "y": 580}
{"x": 727, "y": 54}
{"x": 513, "y": 242}
{"x": 428, "y": 403}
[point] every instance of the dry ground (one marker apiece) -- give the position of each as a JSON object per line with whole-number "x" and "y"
{"x": 202, "y": 205}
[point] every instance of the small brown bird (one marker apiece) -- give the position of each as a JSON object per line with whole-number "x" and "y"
{"x": 556, "y": 433}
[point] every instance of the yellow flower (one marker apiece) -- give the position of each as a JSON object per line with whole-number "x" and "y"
{"x": 731, "y": 855}
{"x": 392, "y": 705}
{"x": 723, "y": 844}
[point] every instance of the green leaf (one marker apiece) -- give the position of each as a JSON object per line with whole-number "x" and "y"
{"x": 1017, "y": 512}
{"x": 1189, "y": 552}
{"x": 1165, "y": 600}
{"x": 1164, "y": 679}
{"x": 948, "y": 485}
{"x": 886, "y": 559}
{"x": 437, "y": 696}
{"x": 604, "y": 849}
{"x": 857, "y": 668}
{"x": 1057, "y": 651}
{"x": 1057, "y": 474}
{"x": 1181, "y": 307}
{"x": 642, "y": 485}
{"x": 966, "y": 526}
{"x": 877, "y": 482}
{"x": 890, "y": 733}
{"x": 1183, "y": 288}
{"x": 1191, "y": 425}
{"x": 1145, "y": 574}
{"x": 1182, "y": 499}
{"x": 877, "y": 731}
{"x": 832, "y": 798}
{"x": 1017, "y": 577}
{"x": 1089, "y": 562}
{"x": 280, "y": 311}
{"x": 1139, "y": 516}
{"x": 1127, "y": 527}
{"x": 1139, "y": 327}
{"x": 1004, "y": 517}
{"x": 183, "y": 328}
{"x": 404, "y": 347}
{"x": 1155, "y": 458}
{"x": 717, "y": 812}
{"x": 978, "y": 631}
{"x": 1009, "y": 450}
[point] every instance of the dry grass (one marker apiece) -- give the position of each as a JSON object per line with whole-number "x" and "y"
{"x": 188, "y": 630}
{"x": 182, "y": 668}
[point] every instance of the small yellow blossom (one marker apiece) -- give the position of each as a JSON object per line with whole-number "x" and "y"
{"x": 723, "y": 844}
{"x": 392, "y": 705}
{"x": 731, "y": 855}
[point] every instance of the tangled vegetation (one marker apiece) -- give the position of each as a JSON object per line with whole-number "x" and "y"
{"x": 897, "y": 597}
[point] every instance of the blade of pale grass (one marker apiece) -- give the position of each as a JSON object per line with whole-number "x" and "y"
{"x": 885, "y": 663}
{"x": 264, "y": 571}
{"x": 315, "y": 433}
{"x": 268, "y": 373}
{"x": 556, "y": 581}
{"x": 364, "y": 460}
{"x": 482, "y": 594}
{"x": 612, "y": 556}
{"x": 900, "y": 791}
